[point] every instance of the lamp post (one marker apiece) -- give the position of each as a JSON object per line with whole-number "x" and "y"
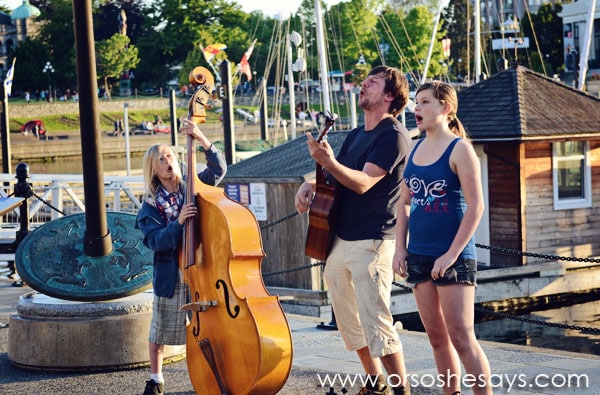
{"x": 48, "y": 68}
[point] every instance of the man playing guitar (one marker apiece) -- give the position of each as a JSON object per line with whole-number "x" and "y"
{"x": 367, "y": 171}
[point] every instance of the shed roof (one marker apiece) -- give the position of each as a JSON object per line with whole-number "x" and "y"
{"x": 290, "y": 159}
{"x": 520, "y": 104}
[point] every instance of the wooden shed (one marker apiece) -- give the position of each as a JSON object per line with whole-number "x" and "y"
{"x": 279, "y": 172}
{"x": 539, "y": 143}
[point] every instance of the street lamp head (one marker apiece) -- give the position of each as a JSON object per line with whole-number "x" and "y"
{"x": 48, "y": 68}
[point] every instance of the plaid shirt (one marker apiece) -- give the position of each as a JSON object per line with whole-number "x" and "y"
{"x": 168, "y": 204}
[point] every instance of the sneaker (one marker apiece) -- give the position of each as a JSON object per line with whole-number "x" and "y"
{"x": 366, "y": 391}
{"x": 154, "y": 388}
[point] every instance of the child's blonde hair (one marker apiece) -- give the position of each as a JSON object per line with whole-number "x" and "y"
{"x": 150, "y": 163}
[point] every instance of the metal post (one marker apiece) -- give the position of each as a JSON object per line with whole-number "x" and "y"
{"x": 173, "y": 112}
{"x": 263, "y": 110}
{"x": 228, "y": 126}
{"x": 23, "y": 189}
{"x": 97, "y": 241}
{"x": 6, "y": 156}
{"x": 127, "y": 146}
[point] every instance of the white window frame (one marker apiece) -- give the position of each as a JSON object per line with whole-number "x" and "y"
{"x": 579, "y": 202}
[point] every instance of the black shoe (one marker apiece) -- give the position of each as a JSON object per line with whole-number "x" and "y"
{"x": 368, "y": 391}
{"x": 154, "y": 388}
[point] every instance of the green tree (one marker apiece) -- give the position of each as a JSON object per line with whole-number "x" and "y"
{"x": 114, "y": 56}
{"x": 32, "y": 55}
{"x": 411, "y": 35}
{"x": 352, "y": 27}
{"x": 548, "y": 29}
{"x": 57, "y": 34}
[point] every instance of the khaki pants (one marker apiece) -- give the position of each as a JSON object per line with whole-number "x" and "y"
{"x": 359, "y": 275}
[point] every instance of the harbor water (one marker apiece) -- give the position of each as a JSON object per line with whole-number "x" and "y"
{"x": 557, "y": 328}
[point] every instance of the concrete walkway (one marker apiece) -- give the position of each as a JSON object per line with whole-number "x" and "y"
{"x": 319, "y": 355}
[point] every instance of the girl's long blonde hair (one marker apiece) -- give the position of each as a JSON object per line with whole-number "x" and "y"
{"x": 150, "y": 163}
{"x": 446, "y": 94}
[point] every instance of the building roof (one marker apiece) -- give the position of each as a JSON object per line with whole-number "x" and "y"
{"x": 290, "y": 159}
{"x": 25, "y": 11}
{"x": 5, "y": 19}
{"x": 519, "y": 104}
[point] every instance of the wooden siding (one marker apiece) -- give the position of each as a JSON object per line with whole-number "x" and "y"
{"x": 283, "y": 243}
{"x": 504, "y": 202}
{"x": 571, "y": 233}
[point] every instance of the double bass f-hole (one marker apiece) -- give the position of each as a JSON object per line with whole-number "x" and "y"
{"x": 226, "y": 295}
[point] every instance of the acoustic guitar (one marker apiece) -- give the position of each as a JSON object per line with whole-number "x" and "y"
{"x": 322, "y": 212}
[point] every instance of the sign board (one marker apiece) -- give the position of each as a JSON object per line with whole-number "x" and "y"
{"x": 252, "y": 195}
{"x": 510, "y": 43}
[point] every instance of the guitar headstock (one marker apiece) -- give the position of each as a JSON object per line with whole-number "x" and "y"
{"x": 329, "y": 122}
{"x": 203, "y": 82}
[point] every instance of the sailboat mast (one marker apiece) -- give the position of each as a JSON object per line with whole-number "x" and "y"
{"x": 431, "y": 42}
{"x": 322, "y": 58}
{"x": 477, "y": 44}
{"x": 291, "y": 85}
{"x": 585, "y": 48}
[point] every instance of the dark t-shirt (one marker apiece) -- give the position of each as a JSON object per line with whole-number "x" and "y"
{"x": 372, "y": 215}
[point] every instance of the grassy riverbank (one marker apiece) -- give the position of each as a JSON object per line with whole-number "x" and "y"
{"x": 70, "y": 122}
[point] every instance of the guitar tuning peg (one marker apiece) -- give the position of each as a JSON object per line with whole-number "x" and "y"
{"x": 330, "y": 117}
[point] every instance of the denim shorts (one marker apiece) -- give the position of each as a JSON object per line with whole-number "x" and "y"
{"x": 463, "y": 271}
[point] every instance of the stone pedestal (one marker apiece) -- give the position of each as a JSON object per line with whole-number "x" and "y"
{"x": 57, "y": 335}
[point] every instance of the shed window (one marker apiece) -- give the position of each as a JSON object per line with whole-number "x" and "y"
{"x": 571, "y": 175}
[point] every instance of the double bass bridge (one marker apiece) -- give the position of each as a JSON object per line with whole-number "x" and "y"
{"x": 199, "y": 306}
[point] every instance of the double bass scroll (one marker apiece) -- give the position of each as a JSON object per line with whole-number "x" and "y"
{"x": 238, "y": 340}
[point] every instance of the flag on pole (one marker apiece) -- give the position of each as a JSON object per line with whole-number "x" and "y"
{"x": 210, "y": 51}
{"x": 244, "y": 66}
{"x": 9, "y": 78}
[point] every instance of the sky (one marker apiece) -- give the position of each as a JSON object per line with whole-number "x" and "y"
{"x": 273, "y": 7}
{"x": 269, "y": 7}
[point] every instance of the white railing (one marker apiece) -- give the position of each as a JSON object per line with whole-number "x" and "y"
{"x": 56, "y": 195}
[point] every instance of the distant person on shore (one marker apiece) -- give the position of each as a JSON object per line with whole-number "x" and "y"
{"x": 115, "y": 127}
{"x": 35, "y": 130}
{"x": 161, "y": 219}
{"x": 440, "y": 206}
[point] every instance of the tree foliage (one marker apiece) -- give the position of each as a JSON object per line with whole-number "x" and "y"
{"x": 115, "y": 56}
{"x": 168, "y": 36}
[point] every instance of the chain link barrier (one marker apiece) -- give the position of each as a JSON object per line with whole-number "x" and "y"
{"x": 508, "y": 251}
{"x": 482, "y": 310}
{"x": 280, "y": 220}
{"x": 47, "y": 204}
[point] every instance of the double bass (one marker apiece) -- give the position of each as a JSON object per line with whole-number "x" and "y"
{"x": 238, "y": 338}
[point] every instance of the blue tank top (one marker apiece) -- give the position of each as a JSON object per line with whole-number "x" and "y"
{"x": 437, "y": 206}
